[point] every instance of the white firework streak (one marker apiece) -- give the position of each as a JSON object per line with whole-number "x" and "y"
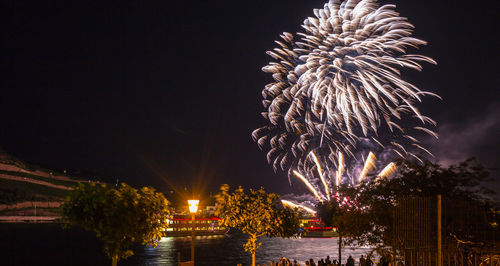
{"x": 369, "y": 166}
{"x": 306, "y": 182}
{"x": 388, "y": 171}
{"x": 295, "y": 205}
{"x": 320, "y": 171}
{"x": 341, "y": 81}
{"x": 340, "y": 170}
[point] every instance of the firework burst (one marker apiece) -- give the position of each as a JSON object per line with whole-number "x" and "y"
{"x": 340, "y": 81}
{"x": 324, "y": 183}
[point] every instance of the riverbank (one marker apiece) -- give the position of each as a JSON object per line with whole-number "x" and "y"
{"x": 30, "y": 211}
{"x": 29, "y": 219}
{"x": 49, "y": 244}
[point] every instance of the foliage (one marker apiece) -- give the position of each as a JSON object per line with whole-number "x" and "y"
{"x": 329, "y": 211}
{"x": 257, "y": 214}
{"x": 369, "y": 220}
{"x": 120, "y": 216}
{"x": 465, "y": 181}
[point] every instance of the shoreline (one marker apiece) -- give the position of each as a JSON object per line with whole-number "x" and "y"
{"x": 29, "y": 219}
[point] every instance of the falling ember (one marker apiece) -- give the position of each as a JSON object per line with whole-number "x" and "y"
{"x": 293, "y": 205}
{"x": 388, "y": 171}
{"x": 311, "y": 188}
{"x": 369, "y": 166}
{"x": 320, "y": 171}
{"x": 340, "y": 169}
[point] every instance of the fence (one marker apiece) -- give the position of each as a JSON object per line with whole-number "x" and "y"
{"x": 450, "y": 258}
{"x": 434, "y": 231}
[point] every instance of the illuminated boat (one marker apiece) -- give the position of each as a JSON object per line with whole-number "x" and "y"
{"x": 313, "y": 227}
{"x": 182, "y": 226}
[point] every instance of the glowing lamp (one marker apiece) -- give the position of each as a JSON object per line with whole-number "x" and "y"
{"x": 193, "y": 205}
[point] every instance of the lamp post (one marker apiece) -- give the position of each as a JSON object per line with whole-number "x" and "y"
{"x": 193, "y": 207}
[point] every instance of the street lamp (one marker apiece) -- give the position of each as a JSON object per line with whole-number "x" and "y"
{"x": 193, "y": 207}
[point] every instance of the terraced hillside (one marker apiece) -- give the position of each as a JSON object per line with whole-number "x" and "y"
{"x": 31, "y": 193}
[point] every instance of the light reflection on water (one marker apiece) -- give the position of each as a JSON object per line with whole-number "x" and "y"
{"x": 228, "y": 250}
{"x": 49, "y": 244}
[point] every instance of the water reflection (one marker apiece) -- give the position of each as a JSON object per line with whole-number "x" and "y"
{"x": 228, "y": 250}
{"x": 49, "y": 244}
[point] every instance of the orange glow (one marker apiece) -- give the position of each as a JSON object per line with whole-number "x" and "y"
{"x": 193, "y": 205}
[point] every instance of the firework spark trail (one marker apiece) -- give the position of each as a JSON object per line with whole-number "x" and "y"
{"x": 340, "y": 80}
{"x": 306, "y": 182}
{"x": 293, "y": 205}
{"x": 368, "y": 167}
{"x": 340, "y": 169}
{"x": 320, "y": 171}
{"x": 388, "y": 171}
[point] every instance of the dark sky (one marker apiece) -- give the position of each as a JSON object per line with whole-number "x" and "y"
{"x": 166, "y": 93}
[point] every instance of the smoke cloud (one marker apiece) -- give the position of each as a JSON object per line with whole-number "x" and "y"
{"x": 475, "y": 135}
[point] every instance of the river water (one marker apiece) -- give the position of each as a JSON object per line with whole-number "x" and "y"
{"x": 49, "y": 244}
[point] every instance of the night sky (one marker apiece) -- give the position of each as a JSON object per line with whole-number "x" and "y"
{"x": 167, "y": 93}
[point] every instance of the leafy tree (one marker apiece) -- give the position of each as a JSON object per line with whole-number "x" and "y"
{"x": 329, "y": 213}
{"x": 369, "y": 221}
{"x": 119, "y": 216}
{"x": 257, "y": 214}
{"x": 333, "y": 213}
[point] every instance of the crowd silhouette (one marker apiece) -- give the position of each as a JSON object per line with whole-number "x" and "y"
{"x": 284, "y": 261}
